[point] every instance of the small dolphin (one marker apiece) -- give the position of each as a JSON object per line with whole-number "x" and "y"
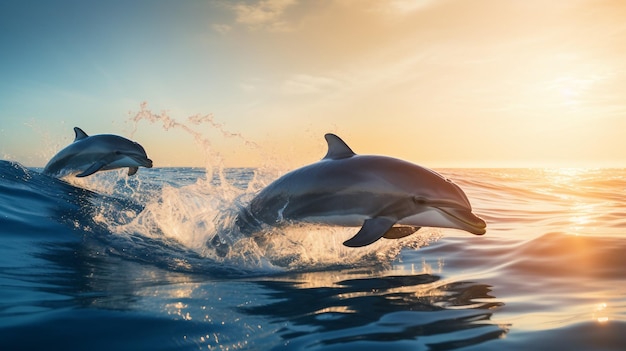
{"x": 386, "y": 197}
{"x": 90, "y": 154}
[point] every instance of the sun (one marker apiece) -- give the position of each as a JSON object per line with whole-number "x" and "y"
{"x": 571, "y": 90}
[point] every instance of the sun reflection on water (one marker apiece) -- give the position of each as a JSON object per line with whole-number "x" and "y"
{"x": 600, "y": 313}
{"x": 574, "y": 186}
{"x": 566, "y": 176}
{"x": 177, "y": 309}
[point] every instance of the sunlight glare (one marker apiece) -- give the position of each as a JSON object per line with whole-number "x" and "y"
{"x": 564, "y": 176}
{"x": 582, "y": 217}
{"x": 569, "y": 184}
{"x": 600, "y": 314}
{"x": 570, "y": 90}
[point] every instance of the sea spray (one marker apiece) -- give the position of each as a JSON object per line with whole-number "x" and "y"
{"x": 214, "y": 162}
{"x": 200, "y": 214}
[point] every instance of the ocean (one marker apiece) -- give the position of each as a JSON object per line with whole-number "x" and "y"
{"x": 111, "y": 262}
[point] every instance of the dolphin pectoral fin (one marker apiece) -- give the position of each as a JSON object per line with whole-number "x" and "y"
{"x": 372, "y": 230}
{"x": 92, "y": 169}
{"x": 132, "y": 170}
{"x": 400, "y": 232}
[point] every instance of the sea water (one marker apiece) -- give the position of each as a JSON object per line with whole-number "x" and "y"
{"x": 111, "y": 262}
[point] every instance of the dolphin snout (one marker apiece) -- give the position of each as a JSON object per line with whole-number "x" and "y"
{"x": 148, "y": 163}
{"x": 470, "y": 222}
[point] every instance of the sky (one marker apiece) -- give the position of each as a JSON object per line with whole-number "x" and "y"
{"x": 441, "y": 83}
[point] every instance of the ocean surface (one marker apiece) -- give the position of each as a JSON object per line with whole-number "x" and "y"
{"x": 112, "y": 262}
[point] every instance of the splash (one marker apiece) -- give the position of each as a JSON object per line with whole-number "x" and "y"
{"x": 196, "y": 209}
{"x": 213, "y": 159}
{"x": 202, "y": 219}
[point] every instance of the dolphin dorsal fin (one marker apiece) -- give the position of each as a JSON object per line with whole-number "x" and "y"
{"x": 79, "y": 134}
{"x": 337, "y": 148}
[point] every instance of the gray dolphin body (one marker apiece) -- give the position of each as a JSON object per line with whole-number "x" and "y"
{"x": 90, "y": 154}
{"x": 386, "y": 197}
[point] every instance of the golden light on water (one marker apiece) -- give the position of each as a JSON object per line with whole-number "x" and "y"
{"x": 177, "y": 309}
{"x": 564, "y": 176}
{"x": 570, "y": 184}
{"x": 600, "y": 313}
{"x": 583, "y": 217}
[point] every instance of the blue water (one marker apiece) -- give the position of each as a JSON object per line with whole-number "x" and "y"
{"x": 111, "y": 262}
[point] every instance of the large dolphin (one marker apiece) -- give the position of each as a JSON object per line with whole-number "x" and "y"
{"x": 386, "y": 197}
{"x": 90, "y": 154}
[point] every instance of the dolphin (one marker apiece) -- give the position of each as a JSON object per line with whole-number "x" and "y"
{"x": 90, "y": 154}
{"x": 385, "y": 196}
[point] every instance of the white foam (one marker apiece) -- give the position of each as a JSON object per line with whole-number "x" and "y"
{"x": 193, "y": 214}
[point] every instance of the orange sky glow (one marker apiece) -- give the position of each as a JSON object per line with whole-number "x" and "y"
{"x": 448, "y": 83}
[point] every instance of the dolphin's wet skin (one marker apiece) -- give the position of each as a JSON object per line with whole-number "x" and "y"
{"x": 386, "y": 197}
{"x": 90, "y": 154}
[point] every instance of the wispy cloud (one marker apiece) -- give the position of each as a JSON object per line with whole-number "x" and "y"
{"x": 303, "y": 84}
{"x": 404, "y": 6}
{"x": 397, "y": 7}
{"x": 222, "y": 28}
{"x": 263, "y": 14}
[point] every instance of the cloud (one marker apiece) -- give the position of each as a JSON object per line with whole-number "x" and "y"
{"x": 247, "y": 87}
{"x": 222, "y": 28}
{"x": 399, "y": 7}
{"x": 302, "y": 84}
{"x": 406, "y": 6}
{"x": 263, "y": 14}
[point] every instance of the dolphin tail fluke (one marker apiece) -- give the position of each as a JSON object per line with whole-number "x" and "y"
{"x": 372, "y": 230}
{"x": 92, "y": 169}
